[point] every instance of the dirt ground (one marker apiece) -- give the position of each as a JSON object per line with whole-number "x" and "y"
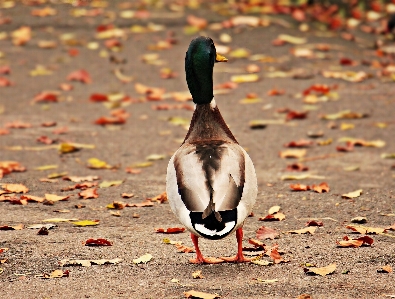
{"x": 147, "y": 131}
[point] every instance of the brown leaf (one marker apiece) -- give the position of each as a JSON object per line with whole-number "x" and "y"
{"x": 275, "y": 255}
{"x": 185, "y": 249}
{"x": 43, "y": 231}
{"x": 17, "y": 125}
{"x": 89, "y": 193}
{"x": 141, "y": 204}
{"x": 306, "y": 230}
{"x": 348, "y": 148}
{"x": 45, "y": 140}
{"x": 15, "y": 227}
{"x": 273, "y": 217}
{"x": 15, "y": 188}
{"x": 127, "y": 195}
{"x": 323, "y": 187}
{"x": 77, "y": 179}
{"x": 161, "y": 198}
{"x": 32, "y": 198}
{"x": 314, "y": 223}
{"x": 97, "y": 242}
{"x": 266, "y": 233}
{"x": 296, "y": 167}
{"x": 320, "y": 271}
{"x": 197, "y": 274}
{"x": 171, "y": 230}
{"x": 347, "y": 242}
{"x": 366, "y": 230}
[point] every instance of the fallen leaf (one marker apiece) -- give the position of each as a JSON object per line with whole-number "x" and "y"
{"x": 353, "y": 194}
{"x": 86, "y": 222}
{"x": 323, "y": 271}
{"x": 55, "y": 274}
{"x": 87, "y": 263}
{"x": 314, "y": 223}
{"x": 171, "y": 230}
{"x": 366, "y": 230}
{"x": 95, "y": 163}
{"x": 261, "y": 262}
{"x": 77, "y": 179}
{"x": 292, "y": 39}
{"x": 345, "y": 114}
{"x": 80, "y": 75}
{"x": 15, "y": 227}
{"x": 197, "y": 274}
{"x": 385, "y": 269}
{"x": 347, "y": 242}
{"x": 359, "y": 220}
{"x": 293, "y": 153}
{"x": 306, "y": 230}
{"x": 119, "y": 205}
{"x": 106, "y": 184}
{"x": 323, "y": 187}
{"x": 54, "y": 197}
{"x": 300, "y": 143}
{"x": 145, "y": 203}
{"x": 274, "y": 209}
{"x": 143, "y": 259}
{"x": 244, "y": 78}
{"x": 89, "y": 193}
{"x": 127, "y": 195}
{"x": 59, "y": 220}
{"x": 200, "y": 295}
{"x": 266, "y": 233}
{"x": 273, "y": 217}
{"x": 299, "y": 187}
{"x": 184, "y": 249}
{"x": 15, "y": 188}
{"x": 296, "y": 167}
{"x": 97, "y": 242}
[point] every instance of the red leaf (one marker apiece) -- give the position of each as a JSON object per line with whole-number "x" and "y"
{"x": 17, "y": 125}
{"x": 171, "y": 230}
{"x": 61, "y": 130}
{"x": 296, "y": 115}
{"x": 80, "y": 75}
{"x": 109, "y": 120}
{"x": 98, "y": 97}
{"x": 299, "y": 143}
{"x": 45, "y": 140}
{"x": 323, "y": 187}
{"x": 348, "y": 148}
{"x": 5, "y": 70}
{"x": 97, "y": 242}
{"x": 5, "y": 82}
{"x": 73, "y": 52}
{"x": 45, "y": 97}
{"x": 266, "y": 233}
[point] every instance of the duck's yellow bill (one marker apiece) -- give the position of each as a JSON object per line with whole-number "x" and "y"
{"x": 220, "y": 58}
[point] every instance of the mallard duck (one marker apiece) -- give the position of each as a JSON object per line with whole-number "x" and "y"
{"x": 211, "y": 182}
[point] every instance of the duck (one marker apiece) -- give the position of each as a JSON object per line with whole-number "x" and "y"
{"x": 211, "y": 182}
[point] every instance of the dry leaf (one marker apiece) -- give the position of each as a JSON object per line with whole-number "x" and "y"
{"x": 89, "y": 193}
{"x": 86, "y": 222}
{"x": 266, "y": 233}
{"x": 323, "y": 187}
{"x": 15, "y": 188}
{"x": 366, "y": 230}
{"x": 171, "y": 230}
{"x": 185, "y": 249}
{"x": 143, "y": 259}
{"x": 293, "y": 153}
{"x": 299, "y": 187}
{"x": 87, "y": 263}
{"x": 314, "y": 223}
{"x": 274, "y": 209}
{"x": 385, "y": 269}
{"x": 320, "y": 271}
{"x": 15, "y": 227}
{"x": 197, "y": 274}
{"x": 244, "y": 78}
{"x": 200, "y": 295}
{"x": 306, "y": 230}
{"x": 97, "y": 242}
{"x": 273, "y": 217}
{"x": 353, "y": 194}
{"x": 347, "y": 242}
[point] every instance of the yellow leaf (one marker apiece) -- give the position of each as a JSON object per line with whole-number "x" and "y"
{"x": 86, "y": 222}
{"x": 353, "y": 194}
{"x": 56, "y": 175}
{"x": 59, "y": 220}
{"x": 155, "y": 157}
{"x": 88, "y": 263}
{"x": 244, "y": 78}
{"x": 325, "y": 142}
{"x": 98, "y": 164}
{"x": 142, "y": 165}
{"x": 40, "y": 70}
{"x": 293, "y": 153}
{"x": 143, "y": 259}
{"x": 46, "y": 167}
{"x": 345, "y": 126}
{"x": 250, "y": 101}
{"x": 321, "y": 271}
{"x": 274, "y": 209}
{"x": 388, "y": 156}
{"x": 201, "y": 295}
{"x": 65, "y": 148}
{"x": 261, "y": 262}
{"x": 351, "y": 168}
{"x": 267, "y": 280}
{"x": 106, "y": 184}
{"x": 197, "y": 274}
{"x": 292, "y": 39}
{"x": 179, "y": 121}
{"x": 240, "y": 53}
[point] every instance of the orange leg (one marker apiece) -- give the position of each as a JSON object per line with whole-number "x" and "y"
{"x": 239, "y": 258}
{"x": 199, "y": 257}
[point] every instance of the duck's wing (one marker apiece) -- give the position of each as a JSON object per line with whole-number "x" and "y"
{"x": 210, "y": 176}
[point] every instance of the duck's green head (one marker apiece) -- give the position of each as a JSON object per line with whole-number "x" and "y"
{"x": 199, "y": 65}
